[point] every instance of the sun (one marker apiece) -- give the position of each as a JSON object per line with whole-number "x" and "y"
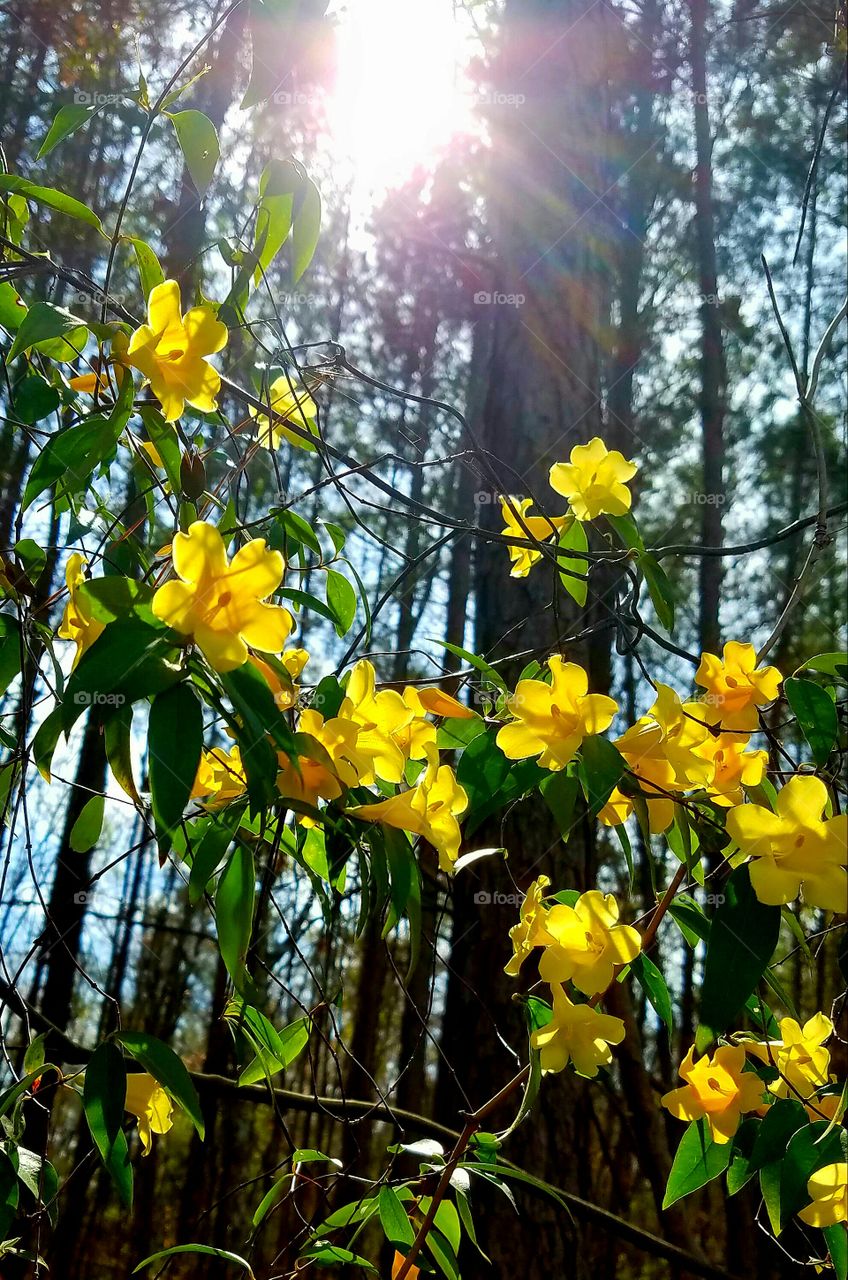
{"x": 400, "y": 95}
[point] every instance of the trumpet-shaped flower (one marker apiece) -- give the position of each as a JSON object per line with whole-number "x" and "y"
{"x": 540, "y": 528}
{"x": 384, "y": 721}
{"x": 289, "y": 402}
{"x": 151, "y": 1106}
{"x": 437, "y": 702}
{"x": 429, "y": 809}
{"x": 799, "y": 1055}
{"x": 285, "y": 691}
{"x": 735, "y": 767}
{"x": 551, "y": 720}
{"x": 594, "y": 480}
{"x": 716, "y": 1090}
{"x": 796, "y": 848}
{"x": 333, "y": 767}
{"x": 587, "y": 943}
{"x": 735, "y": 686}
{"x": 220, "y": 775}
{"x": 530, "y": 931}
{"x": 220, "y": 605}
{"x": 828, "y": 1192}
{"x": 77, "y": 623}
{"x": 170, "y": 351}
{"x": 576, "y": 1033}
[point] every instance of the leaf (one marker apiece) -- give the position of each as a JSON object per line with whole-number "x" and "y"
{"x": 482, "y": 769}
{"x": 573, "y": 538}
{"x": 829, "y": 664}
{"x": 299, "y": 531}
{"x": 175, "y": 741}
{"x": 11, "y": 184}
{"x": 168, "y": 1068}
{"x": 209, "y": 852}
{"x": 10, "y": 650}
{"x": 654, "y": 985}
{"x": 739, "y": 1171}
{"x": 117, "y": 737}
{"x": 837, "y": 1244}
{"x": 223, "y": 1255}
{"x": 341, "y": 597}
{"x": 115, "y": 597}
{"x": 696, "y": 1162}
{"x": 9, "y": 1193}
{"x": 690, "y": 919}
{"x": 277, "y": 186}
{"x": 104, "y": 1095}
{"x": 272, "y": 1198}
{"x": 130, "y": 660}
{"x": 271, "y": 36}
{"x": 332, "y": 1255}
{"x": 275, "y": 1050}
{"x": 86, "y": 830}
{"x": 255, "y": 704}
{"x": 815, "y": 712}
{"x": 659, "y": 588}
{"x": 479, "y": 664}
{"x": 627, "y": 530}
{"x": 809, "y": 1149}
{"x": 34, "y": 399}
{"x": 234, "y": 914}
{"x": 601, "y": 767}
{"x": 34, "y": 1056}
{"x": 783, "y": 1118}
{"x": 743, "y": 936}
{"x": 150, "y": 272}
{"x": 306, "y": 230}
{"x": 44, "y": 322}
{"x": 66, "y": 121}
{"x": 71, "y": 455}
{"x": 559, "y": 791}
{"x": 198, "y": 139}
{"x": 393, "y": 1218}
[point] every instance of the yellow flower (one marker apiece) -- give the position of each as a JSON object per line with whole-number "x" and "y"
{"x": 828, "y": 1190}
{"x": 293, "y": 403}
{"x": 734, "y": 767}
{"x": 429, "y": 809}
{"x": 222, "y": 605}
{"x": 77, "y": 623}
{"x": 551, "y": 720}
{"x": 150, "y": 1104}
{"x": 576, "y": 1033}
{"x": 717, "y": 1090}
{"x": 293, "y": 661}
{"x": 594, "y": 480}
{"x": 539, "y": 527}
{"x": 735, "y": 687}
{"x": 382, "y": 718}
{"x": 530, "y": 931}
{"x": 322, "y": 776}
{"x": 170, "y": 349}
{"x": 799, "y": 1055}
{"x": 220, "y": 774}
{"x": 587, "y": 943}
{"x": 438, "y": 703}
{"x": 795, "y": 848}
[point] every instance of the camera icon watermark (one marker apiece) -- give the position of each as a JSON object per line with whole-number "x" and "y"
{"x": 485, "y": 298}
{"x": 82, "y": 98}
{"x": 94, "y": 698}
{"x": 83, "y": 896}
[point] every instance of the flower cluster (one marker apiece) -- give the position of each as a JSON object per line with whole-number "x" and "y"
{"x": 584, "y": 943}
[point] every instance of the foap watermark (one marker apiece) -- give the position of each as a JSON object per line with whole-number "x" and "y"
{"x": 94, "y": 698}
{"x": 491, "y": 497}
{"x": 483, "y": 898}
{"x": 499, "y": 98}
{"x": 95, "y": 297}
{"x": 301, "y": 299}
{"x": 707, "y": 499}
{"x": 485, "y": 298}
{"x": 295, "y": 98}
{"x": 82, "y": 98}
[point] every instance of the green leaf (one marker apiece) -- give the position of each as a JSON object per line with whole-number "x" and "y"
{"x": 627, "y": 530}
{"x": 393, "y": 1218}
{"x": 809, "y": 1149}
{"x": 44, "y": 322}
{"x": 210, "y": 849}
{"x": 829, "y": 664}
{"x": 10, "y": 650}
{"x": 573, "y": 538}
{"x": 332, "y": 1255}
{"x": 815, "y": 712}
{"x": 160, "y": 1061}
{"x": 559, "y": 791}
{"x": 11, "y": 184}
{"x": 86, "y": 830}
{"x": 739, "y": 1171}
{"x": 277, "y": 186}
{"x": 783, "y": 1118}
{"x": 837, "y": 1244}
{"x": 275, "y": 1050}
{"x": 482, "y": 769}
{"x": 272, "y": 1198}
{"x": 9, "y": 1193}
{"x": 601, "y": 767}
{"x": 234, "y": 902}
{"x": 697, "y": 1161}
{"x": 198, "y": 139}
{"x": 104, "y": 1095}
{"x": 175, "y": 741}
{"x": 117, "y": 737}
{"x": 690, "y": 919}
{"x": 307, "y": 228}
{"x": 479, "y": 664}
{"x": 223, "y": 1255}
{"x": 150, "y": 272}
{"x": 743, "y": 936}
{"x": 71, "y": 455}
{"x": 66, "y": 121}
{"x": 341, "y": 598}
{"x": 114, "y": 597}
{"x": 130, "y": 660}
{"x": 654, "y": 985}
{"x": 34, "y": 1056}
{"x": 254, "y": 702}
{"x": 299, "y": 531}
{"x": 34, "y": 399}
{"x": 659, "y": 588}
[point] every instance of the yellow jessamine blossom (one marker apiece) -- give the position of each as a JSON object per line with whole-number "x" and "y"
{"x": 150, "y": 1104}
{"x": 551, "y": 720}
{"x": 795, "y": 848}
{"x": 541, "y": 528}
{"x": 576, "y": 1033}
{"x": 77, "y": 623}
{"x": 716, "y": 1090}
{"x": 735, "y": 767}
{"x": 321, "y": 777}
{"x": 799, "y": 1055}
{"x": 293, "y": 660}
{"x": 828, "y": 1190}
{"x": 293, "y": 404}
{"x": 383, "y": 719}
{"x": 735, "y": 687}
{"x": 587, "y": 943}
{"x": 594, "y": 480}
{"x": 220, "y": 605}
{"x": 429, "y": 809}
{"x": 170, "y": 351}
{"x": 530, "y": 931}
{"x": 220, "y": 775}
{"x": 438, "y": 703}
